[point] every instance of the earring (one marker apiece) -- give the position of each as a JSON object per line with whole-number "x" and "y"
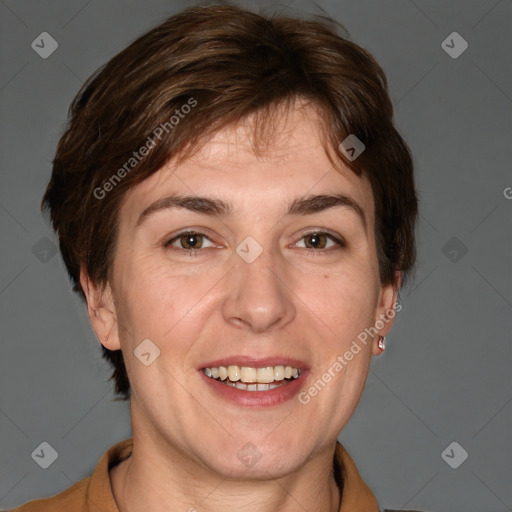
{"x": 106, "y": 338}
{"x": 382, "y": 343}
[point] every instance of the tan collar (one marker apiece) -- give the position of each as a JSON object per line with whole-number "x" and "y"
{"x": 356, "y": 495}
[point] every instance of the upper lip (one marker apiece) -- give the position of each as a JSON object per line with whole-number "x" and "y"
{"x": 255, "y": 362}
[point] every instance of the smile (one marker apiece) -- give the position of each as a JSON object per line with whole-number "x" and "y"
{"x": 249, "y": 378}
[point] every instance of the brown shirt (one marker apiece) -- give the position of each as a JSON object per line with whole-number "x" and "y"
{"x": 94, "y": 494}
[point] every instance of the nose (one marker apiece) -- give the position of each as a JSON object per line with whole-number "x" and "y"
{"x": 259, "y": 297}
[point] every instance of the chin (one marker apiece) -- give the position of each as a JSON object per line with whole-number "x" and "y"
{"x": 255, "y": 456}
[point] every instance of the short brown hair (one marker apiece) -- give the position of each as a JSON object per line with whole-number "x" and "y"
{"x": 226, "y": 63}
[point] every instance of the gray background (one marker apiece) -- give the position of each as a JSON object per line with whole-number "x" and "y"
{"x": 446, "y": 373}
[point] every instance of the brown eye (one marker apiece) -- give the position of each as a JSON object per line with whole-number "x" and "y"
{"x": 189, "y": 241}
{"x": 319, "y": 240}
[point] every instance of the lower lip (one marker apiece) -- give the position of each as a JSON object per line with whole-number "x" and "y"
{"x": 268, "y": 398}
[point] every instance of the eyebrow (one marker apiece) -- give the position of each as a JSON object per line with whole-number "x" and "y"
{"x": 217, "y": 207}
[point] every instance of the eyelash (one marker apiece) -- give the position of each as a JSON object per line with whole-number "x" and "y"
{"x": 195, "y": 252}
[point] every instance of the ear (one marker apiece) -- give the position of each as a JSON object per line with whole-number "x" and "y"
{"x": 102, "y": 311}
{"x": 386, "y": 311}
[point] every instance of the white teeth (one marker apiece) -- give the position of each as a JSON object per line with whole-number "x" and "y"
{"x": 253, "y": 379}
{"x": 278, "y": 372}
{"x": 247, "y": 374}
{"x": 233, "y": 373}
{"x": 265, "y": 375}
{"x": 254, "y": 387}
{"x": 223, "y": 372}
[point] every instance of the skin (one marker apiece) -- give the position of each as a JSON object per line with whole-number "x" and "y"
{"x": 294, "y": 300}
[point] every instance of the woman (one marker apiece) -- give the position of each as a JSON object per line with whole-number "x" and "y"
{"x": 237, "y": 210}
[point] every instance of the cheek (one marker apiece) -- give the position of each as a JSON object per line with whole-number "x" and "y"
{"x": 347, "y": 304}
{"x": 347, "y": 300}
{"x": 159, "y": 308}
{"x": 160, "y": 304}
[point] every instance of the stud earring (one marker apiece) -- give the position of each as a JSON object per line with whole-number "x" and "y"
{"x": 382, "y": 343}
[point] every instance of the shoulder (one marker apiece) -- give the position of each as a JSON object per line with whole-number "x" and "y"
{"x": 73, "y": 498}
{"x": 356, "y": 495}
{"x": 92, "y": 494}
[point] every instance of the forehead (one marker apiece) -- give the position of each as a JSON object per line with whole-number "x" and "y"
{"x": 289, "y": 162}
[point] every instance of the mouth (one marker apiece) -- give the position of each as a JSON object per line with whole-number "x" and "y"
{"x": 247, "y": 381}
{"x": 250, "y": 378}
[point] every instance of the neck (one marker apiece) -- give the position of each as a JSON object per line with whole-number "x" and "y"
{"x": 159, "y": 477}
{"x": 135, "y": 492}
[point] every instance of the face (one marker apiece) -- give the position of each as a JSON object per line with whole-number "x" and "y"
{"x": 273, "y": 281}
